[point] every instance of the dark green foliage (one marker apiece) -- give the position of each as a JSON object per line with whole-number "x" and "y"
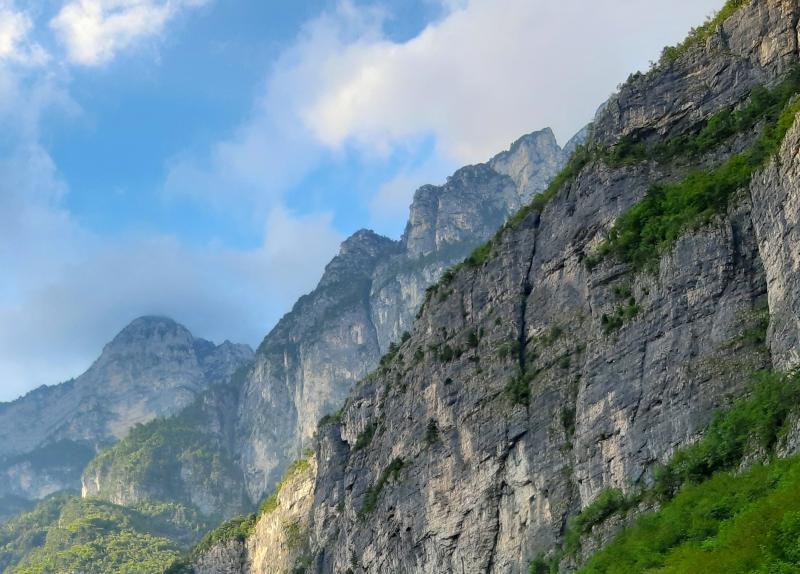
{"x": 621, "y": 316}
{"x": 757, "y": 420}
{"x": 238, "y": 528}
{"x": 390, "y": 356}
{"x": 705, "y": 498}
{"x": 508, "y": 349}
{"x": 158, "y": 455}
{"x": 365, "y": 437}
{"x": 479, "y": 256}
{"x": 391, "y": 472}
{"x": 406, "y": 336}
{"x": 419, "y": 355}
{"x": 543, "y": 565}
{"x": 733, "y": 523}
{"x": 608, "y": 502}
{"x": 432, "y": 432}
{"x": 472, "y": 339}
{"x": 568, "y": 420}
{"x": 553, "y": 335}
{"x": 332, "y": 419}
{"x": 755, "y": 334}
{"x": 518, "y": 389}
{"x": 653, "y": 225}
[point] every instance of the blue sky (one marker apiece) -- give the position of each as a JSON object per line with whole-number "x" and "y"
{"x": 203, "y": 159}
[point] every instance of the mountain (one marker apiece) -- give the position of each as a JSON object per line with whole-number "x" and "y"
{"x": 152, "y": 368}
{"x": 623, "y": 348}
{"x": 367, "y": 298}
{"x": 218, "y": 456}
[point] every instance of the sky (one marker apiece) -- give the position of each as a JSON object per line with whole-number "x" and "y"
{"x": 203, "y": 159}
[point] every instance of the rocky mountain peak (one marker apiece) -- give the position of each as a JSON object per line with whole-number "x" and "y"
{"x": 148, "y": 334}
{"x": 357, "y": 256}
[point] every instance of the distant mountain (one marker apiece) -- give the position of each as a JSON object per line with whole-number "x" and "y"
{"x": 153, "y": 368}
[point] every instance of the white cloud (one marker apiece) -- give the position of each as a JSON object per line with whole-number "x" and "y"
{"x": 15, "y": 43}
{"x": 94, "y": 31}
{"x": 487, "y": 72}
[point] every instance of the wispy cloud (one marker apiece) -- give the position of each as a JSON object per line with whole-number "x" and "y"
{"x": 94, "y": 31}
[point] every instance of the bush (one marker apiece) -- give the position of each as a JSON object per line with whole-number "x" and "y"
{"x": 757, "y": 420}
{"x": 365, "y": 437}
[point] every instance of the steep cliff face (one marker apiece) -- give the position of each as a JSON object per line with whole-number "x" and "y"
{"x": 278, "y": 539}
{"x": 154, "y": 367}
{"x": 367, "y": 298}
{"x": 538, "y": 375}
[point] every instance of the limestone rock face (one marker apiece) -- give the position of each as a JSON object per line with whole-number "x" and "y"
{"x": 776, "y": 215}
{"x": 367, "y": 298}
{"x": 433, "y": 467}
{"x": 154, "y": 367}
{"x": 279, "y": 542}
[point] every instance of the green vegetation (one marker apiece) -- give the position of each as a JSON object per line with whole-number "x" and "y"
{"x": 365, "y": 437}
{"x": 518, "y": 389}
{"x": 508, "y": 349}
{"x": 652, "y": 226}
{"x": 622, "y": 315}
{"x": 756, "y": 421}
{"x": 241, "y": 527}
{"x": 391, "y": 472}
{"x": 732, "y": 523}
{"x": 297, "y": 467}
{"x": 156, "y": 457}
{"x": 607, "y": 503}
{"x": 706, "y": 506}
{"x": 64, "y": 533}
{"x": 699, "y": 35}
{"x": 432, "y": 432}
{"x": 331, "y": 419}
{"x": 238, "y": 528}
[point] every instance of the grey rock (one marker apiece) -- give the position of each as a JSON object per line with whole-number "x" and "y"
{"x": 432, "y": 468}
{"x": 368, "y": 297}
{"x": 153, "y": 367}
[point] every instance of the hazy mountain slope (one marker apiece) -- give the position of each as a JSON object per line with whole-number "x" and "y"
{"x": 595, "y": 335}
{"x": 154, "y": 367}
